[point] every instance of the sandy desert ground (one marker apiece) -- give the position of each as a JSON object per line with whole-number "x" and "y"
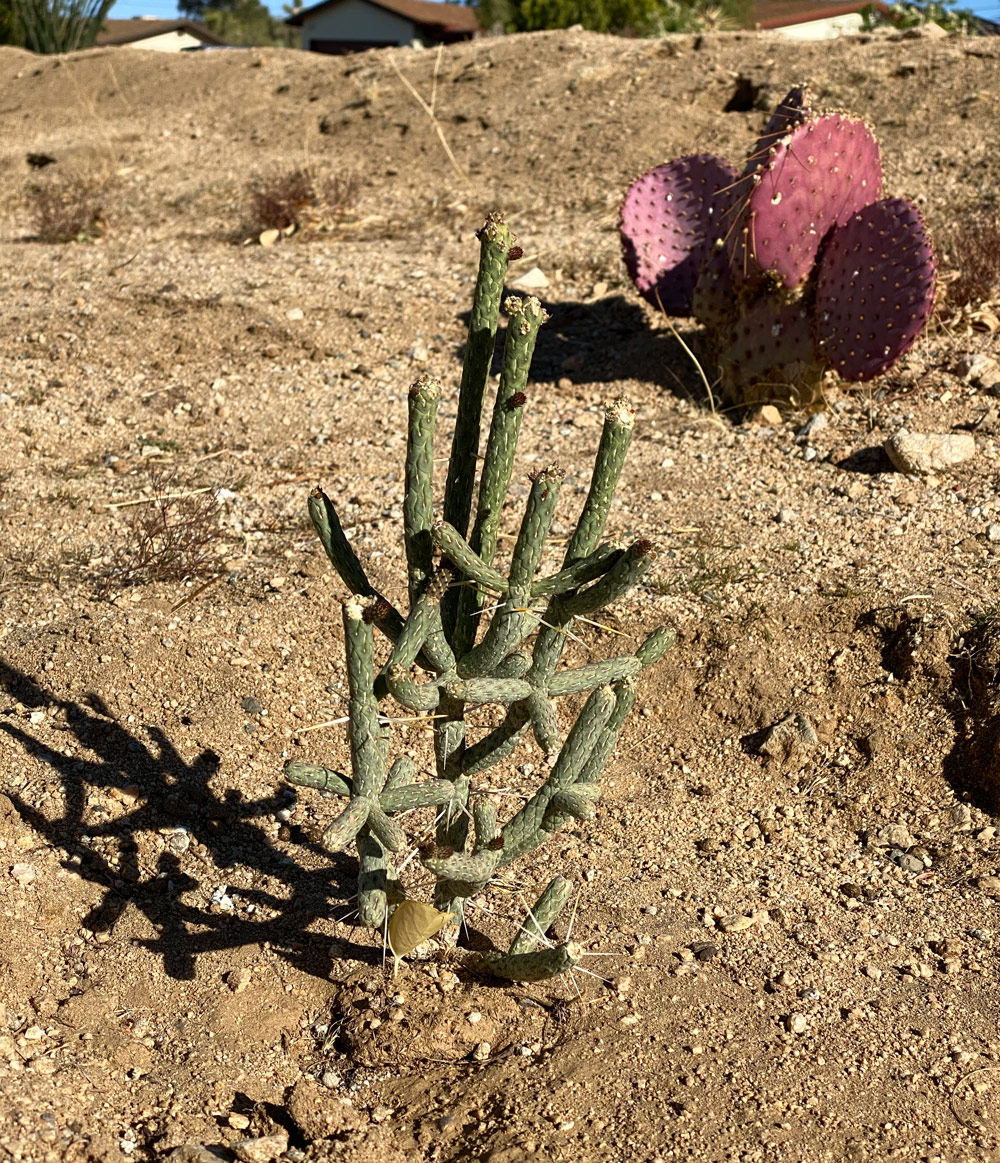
{"x": 798, "y": 956}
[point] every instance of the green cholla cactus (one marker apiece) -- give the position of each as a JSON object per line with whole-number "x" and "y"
{"x": 481, "y": 632}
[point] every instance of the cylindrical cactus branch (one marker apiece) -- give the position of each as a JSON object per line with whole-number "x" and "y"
{"x": 539, "y": 965}
{"x": 542, "y": 917}
{"x": 418, "y": 495}
{"x": 316, "y": 776}
{"x": 437, "y": 669}
{"x": 616, "y": 436}
{"x": 525, "y": 318}
{"x": 496, "y": 245}
{"x": 367, "y": 760}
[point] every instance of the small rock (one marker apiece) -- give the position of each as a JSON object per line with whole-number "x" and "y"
{"x": 533, "y": 280}
{"x": 990, "y": 885}
{"x": 261, "y": 1150}
{"x": 296, "y": 313}
{"x": 704, "y": 950}
{"x": 736, "y": 923}
{"x": 918, "y": 453}
{"x": 851, "y": 890}
{"x": 980, "y": 369}
{"x": 238, "y": 1122}
{"x": 221, "y": 899}
{"x": 873, "y": 972}
{"x": 906, "y": 860}
{"x": 193, "y": 1153}
{"x": 815, "y": 423}
{"x": 481, "y": 1051}
{"x": 178, "y": 839}
{"x": 895, "y": 835}
{"x": 239, "y": 979}
{"x": 24, "y": 873}
{"x": 277, "y": 582}
{"x": 789, "y": 741}
{"x": 767, "y": 416}
{"x": 251, "y": 705}
{"x": 993, "y": 532}
{"x": 961, "y": 816}
{"x": 787, "y": 516}
{"x": 796, "y": 1023}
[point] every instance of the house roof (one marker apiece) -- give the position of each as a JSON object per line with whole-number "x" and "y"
{"x": 456, "y": 17}
{"x": 128, "y": 31}
{"x": 783, "y": 13}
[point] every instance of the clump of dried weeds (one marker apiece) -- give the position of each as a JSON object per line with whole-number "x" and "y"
{"x": 292, "y": 200}
{"x": 972, "y": 247}
{"x": 172, "y": 536}
{"x": 67, "y": 209}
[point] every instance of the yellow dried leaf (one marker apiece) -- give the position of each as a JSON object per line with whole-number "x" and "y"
{"x": 412, "y": 923}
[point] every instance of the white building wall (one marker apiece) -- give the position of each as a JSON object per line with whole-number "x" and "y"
{"x": 826, "y": 29}
{"x": 166, "y": 42}
{"x": 356, "y": 20}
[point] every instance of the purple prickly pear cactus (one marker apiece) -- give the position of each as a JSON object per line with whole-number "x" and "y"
{"x": 875, "y": 289}
{"x": 796, "y": 269}
{"x": 668, "y": 221}
{"x": 816, "y": 177}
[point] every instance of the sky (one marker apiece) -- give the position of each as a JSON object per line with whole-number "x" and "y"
{"x": 167, "y": 9}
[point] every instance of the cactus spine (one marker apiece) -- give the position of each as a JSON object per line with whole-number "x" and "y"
{"x": 479, "y": 632}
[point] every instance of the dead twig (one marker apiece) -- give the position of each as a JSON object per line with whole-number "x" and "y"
{"x": 429, "y": 110}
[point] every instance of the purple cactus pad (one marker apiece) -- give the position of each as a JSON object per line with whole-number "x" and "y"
{"x": 875, "y": 289}
{"x": 816, "y": 177}
{"x": 669, "y": 220}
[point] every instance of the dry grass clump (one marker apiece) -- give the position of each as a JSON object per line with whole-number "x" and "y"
{"x": 292, "y": 200}
{"x": 172, "y": 536}
{"x": 972, "y": 247}
{"x": 67, "y": 209}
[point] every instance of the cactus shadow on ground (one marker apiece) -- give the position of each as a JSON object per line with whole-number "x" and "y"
{"x": 610, "y": 340}
{"x": 173, "y": 793}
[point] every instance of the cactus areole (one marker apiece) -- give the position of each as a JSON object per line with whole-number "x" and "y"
{"x": 799, "y": 269}
{"x": 482, "y": 631}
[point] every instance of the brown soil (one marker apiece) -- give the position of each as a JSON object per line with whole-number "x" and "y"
{"x": 797, "y": 956}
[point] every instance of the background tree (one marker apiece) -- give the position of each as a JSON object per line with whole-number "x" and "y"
{"x": 243, "y": 22}
{"x": 10, "y": 28}
{"x": 51, "y": 26}
{"x": 631, "y": 17}
{"x": 910, "y": 13}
